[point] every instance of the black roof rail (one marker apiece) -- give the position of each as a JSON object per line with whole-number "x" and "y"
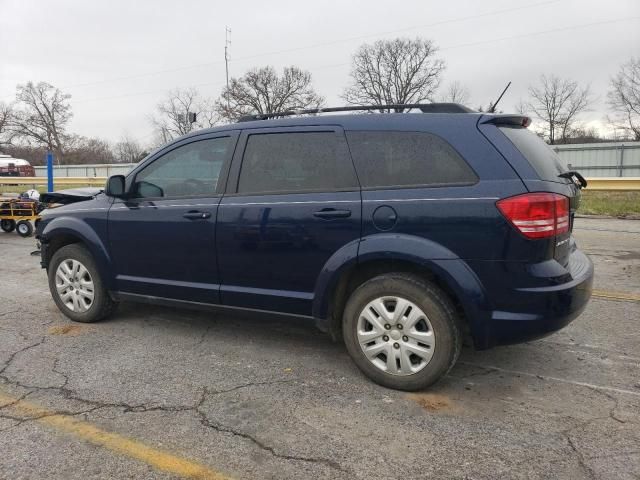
{"x": 424, "y": 107}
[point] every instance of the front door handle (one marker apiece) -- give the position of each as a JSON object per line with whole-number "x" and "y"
{"x": 195, "y": 215}
{"x": 330, "y": 213}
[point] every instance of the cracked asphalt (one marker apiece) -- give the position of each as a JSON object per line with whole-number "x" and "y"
{"x": 262, "y": 397}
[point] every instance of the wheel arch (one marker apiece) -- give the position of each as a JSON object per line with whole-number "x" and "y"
{"x": 63, "y": 231}
{"x": 387, "y": 253}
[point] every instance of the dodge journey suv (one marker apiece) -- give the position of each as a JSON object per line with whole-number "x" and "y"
{"x": 399, "y": 233}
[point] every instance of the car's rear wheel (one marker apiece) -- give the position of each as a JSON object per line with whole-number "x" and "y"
{"x": 76, "y": 285}
{"x": 402, "y": 331}
{"x": 8, "y": 226}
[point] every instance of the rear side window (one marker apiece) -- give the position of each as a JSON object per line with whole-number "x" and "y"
{"x": 389, "y": 159}
{"x": 542, "y": 158}
{"x": 295, "y": 162}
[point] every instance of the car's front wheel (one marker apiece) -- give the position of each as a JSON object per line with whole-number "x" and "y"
{"x": 402, "y": 331}
{"x": 76, "y": 285}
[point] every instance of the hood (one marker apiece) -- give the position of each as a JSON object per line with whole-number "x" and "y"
{"x": 64, "y": 197}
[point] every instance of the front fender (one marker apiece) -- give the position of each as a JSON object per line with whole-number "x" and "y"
{"x": 76, "y": 227}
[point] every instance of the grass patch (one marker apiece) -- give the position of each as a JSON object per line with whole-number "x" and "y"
{"x": 616, "y": 203}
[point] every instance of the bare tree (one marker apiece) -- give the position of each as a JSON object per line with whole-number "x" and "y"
{"x": 128, "y": 150}
{"x": 262, "y": 90}
{"x": 557, "y": 102}
{"x": 394, "y": 71}
{"x": 87, "y": 150}
{"x": 522, "y": 107}
{"x": 172, "y": 119}
{"x": 624, "y": 96}
{"x": 42, "y": 115}
{"x": 456, "y": 93}
{"x": 172, "y": 115}
{"x": 208, "y": 115}
{"x": 6, "y": 118}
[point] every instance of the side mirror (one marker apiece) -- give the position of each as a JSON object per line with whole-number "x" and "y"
{"x": 115, "y": 186}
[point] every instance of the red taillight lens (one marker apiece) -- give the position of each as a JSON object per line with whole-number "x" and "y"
{"x": 537, "y": 215}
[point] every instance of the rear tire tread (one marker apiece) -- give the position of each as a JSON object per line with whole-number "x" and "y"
{"x": 429, "y": 291}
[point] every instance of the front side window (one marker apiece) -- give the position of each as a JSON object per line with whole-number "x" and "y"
{"x": 295, "y": 162}
{"x": 391, "y": 159}
{"x": 189, "y": 170}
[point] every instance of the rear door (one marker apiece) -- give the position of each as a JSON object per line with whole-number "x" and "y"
{"x": 293, "y": 200}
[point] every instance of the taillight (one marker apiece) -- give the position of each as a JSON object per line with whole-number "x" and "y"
{"x": 537, "y": 215}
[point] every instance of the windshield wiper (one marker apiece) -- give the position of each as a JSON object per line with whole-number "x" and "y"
{"x": 573, "y": 175}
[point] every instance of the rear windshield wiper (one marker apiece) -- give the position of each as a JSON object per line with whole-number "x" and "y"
{"x": 573, "y": 175}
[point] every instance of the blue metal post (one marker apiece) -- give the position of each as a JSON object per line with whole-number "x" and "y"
{"x": 49, "y": 172}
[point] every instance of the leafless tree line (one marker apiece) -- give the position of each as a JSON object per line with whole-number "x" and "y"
{"x": 396, "y": 71}
{"x": 38, "y": 122}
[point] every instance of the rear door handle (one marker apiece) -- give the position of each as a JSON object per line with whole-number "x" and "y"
{"x": 195, "y": 215}
{"x": 330, "y": 213}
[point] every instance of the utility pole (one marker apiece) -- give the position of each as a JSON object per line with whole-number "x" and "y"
{"x": 227, "y": 42}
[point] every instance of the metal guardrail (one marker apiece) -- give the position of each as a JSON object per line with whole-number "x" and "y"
{"x": 595, "y": 183}
{"x": 613, "y": 183}
{"x": 60, "y": 182}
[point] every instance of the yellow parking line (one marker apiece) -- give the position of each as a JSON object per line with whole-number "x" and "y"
{"x": 158, "y": 459}
{"x": 627, "y": 297}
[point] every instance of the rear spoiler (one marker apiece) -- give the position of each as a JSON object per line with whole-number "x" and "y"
{"x": 512, "y": 120}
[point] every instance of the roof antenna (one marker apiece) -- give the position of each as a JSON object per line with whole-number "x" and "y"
{"x": 493, "y": 107}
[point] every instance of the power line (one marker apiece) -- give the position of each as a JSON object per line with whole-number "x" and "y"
{"x": 541, "y": 32}
{"x": 146, "y": 92}
{"x": 451, "y": 47}
{"x": 428, "y": 25}
{"x": 511, "y": 37}
{"x": 317, "y": 45}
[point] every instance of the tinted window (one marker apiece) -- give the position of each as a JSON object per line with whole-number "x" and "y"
{"x": 191, "y": 169}
{"x": 293, "y": 162}
{"x": 542, "y": 158}
{"x": 386, "y": 159}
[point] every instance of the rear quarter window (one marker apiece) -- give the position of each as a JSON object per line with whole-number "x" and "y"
{"x": 547, "y": 164}
{"x": 406, "y": 159}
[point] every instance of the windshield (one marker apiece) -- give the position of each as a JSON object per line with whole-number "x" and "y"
{"x": 547, "y": 164}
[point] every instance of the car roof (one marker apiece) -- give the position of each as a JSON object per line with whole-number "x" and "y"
{"x": 375, "y": 121}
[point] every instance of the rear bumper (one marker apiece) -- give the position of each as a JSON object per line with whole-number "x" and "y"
{"x": 533, "y": 313}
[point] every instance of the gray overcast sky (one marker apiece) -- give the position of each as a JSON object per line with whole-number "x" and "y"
{"x": 85, "y": 47}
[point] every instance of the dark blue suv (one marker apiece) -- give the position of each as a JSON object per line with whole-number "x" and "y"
{"x": 398, "y": 232}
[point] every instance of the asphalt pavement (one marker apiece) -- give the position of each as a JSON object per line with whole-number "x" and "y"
{"x": 165, "y": 393}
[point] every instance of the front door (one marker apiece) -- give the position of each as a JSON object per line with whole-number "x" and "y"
{"x": 162, "y": 237}
{"x": 294, "y": 201}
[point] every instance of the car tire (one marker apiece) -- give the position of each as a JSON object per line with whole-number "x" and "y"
{"x": 24, "y": 228}
{"x": 410, "y": 357}
{"x": 77, "y": 287}
{"x": 8, "y": 226}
